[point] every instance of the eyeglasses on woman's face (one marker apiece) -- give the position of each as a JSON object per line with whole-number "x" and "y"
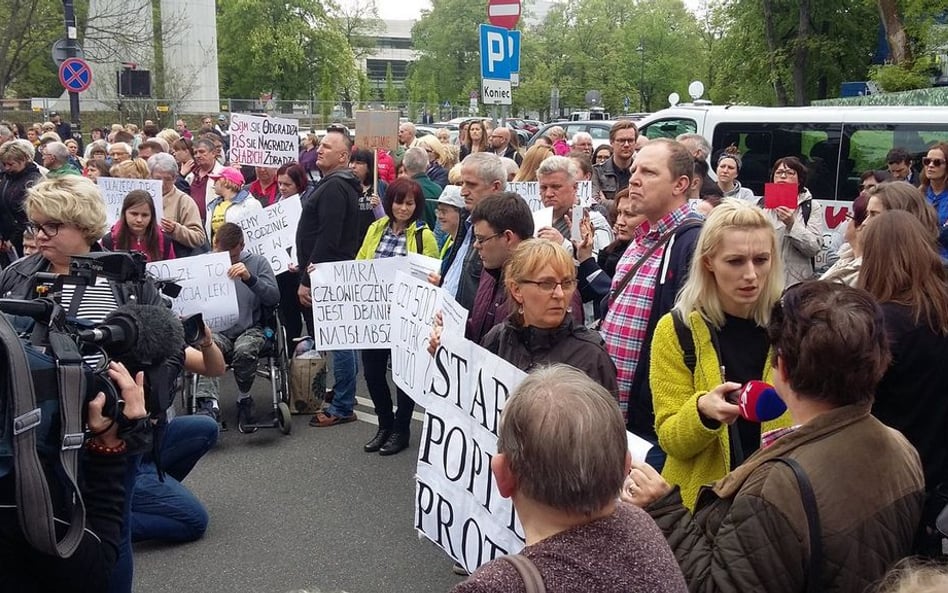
{"x": 49, "y": 228}
{"x": 550, "y": 285}
{"x": 785, "y": 173}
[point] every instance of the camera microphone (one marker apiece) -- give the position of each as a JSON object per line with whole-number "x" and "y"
{"x": 139, "y": 334}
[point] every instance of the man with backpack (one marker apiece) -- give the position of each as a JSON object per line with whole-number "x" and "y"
{"x": 649, "y": 275}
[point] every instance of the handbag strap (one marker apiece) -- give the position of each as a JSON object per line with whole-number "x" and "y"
{"x": 814, "y": 577}
{"x": 685, "y": 224}
{"x": 529, "y": 572}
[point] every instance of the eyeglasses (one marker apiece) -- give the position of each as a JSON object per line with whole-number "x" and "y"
{"x": 550, "y": 285}
{"x": 50, "y": 229}
{"x": 785, "y": 173}
{"x": 602, "y": 157}
{"x": 482, "y": 240}
{"x": 625, "y": 140}
{"x": 933, "y": 162}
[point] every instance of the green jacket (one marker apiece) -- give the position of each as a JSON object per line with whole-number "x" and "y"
{"x": 373, "y": 237}
{"x": 67, "y": 169}
{"x": 431, "y": 191}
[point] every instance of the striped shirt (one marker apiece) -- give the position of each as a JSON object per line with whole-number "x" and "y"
{"x": 625, "y": 326}
{"x": 97, "y": 302}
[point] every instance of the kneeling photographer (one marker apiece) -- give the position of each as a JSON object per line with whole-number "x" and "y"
{"x": 67, "y": 216}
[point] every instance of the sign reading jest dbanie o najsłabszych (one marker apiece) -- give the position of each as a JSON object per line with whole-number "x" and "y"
{"x": 263, "y": 141}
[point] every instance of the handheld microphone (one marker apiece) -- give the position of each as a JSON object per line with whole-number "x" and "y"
{"x": 759, "y": 402}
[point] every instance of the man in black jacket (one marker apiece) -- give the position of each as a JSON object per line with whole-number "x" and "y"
{"x": 500, "y": 143}
{"x": 329, "y": 231}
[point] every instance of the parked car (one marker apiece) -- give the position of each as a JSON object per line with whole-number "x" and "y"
{"x": 598, "y": 129}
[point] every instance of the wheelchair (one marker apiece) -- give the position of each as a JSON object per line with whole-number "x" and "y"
{"x": 273, "y": 364}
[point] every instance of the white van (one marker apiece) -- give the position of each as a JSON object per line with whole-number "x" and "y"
{"x": 837, "y": 144}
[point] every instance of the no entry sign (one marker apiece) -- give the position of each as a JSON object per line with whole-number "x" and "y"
{"x": 503, "y": 13}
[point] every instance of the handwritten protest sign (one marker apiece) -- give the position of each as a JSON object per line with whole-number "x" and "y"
{"x": 114, "y": 190}
{"x": 453, "y": 315}
{"x": 271, "y": 232}
{"x": 376, "y": 129}
{"x": 351, "y": 302}
{"x": 205, "y": 287}
{"x": 457, "y": 505}
{"x": 419, "y": 266}
{"x": 414, "y": 304}
{"x": 530, "y": 191}
{"x": 263, "y": 141}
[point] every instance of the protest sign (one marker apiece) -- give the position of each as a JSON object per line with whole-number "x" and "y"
{"x": 419, "y": 266}
{"x": 114, "y": 190}
{"x": 351, "y": 302}
{"x": 530, "y": 191}
{"x": 376, "y": 129}
{"x": 263, "y": 141}
{"x": 542, "y": 218}
{"x": 205, "y": 287}
{"x": 414, "y": 304}
{"x": 453, "y": 315}
{"x": 271, "y": 232}
{"x": 457, "y": 505}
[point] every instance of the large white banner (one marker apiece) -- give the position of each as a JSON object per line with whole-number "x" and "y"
{"x": 205, "y": 287}
{"x": 457, "y": 505}
{"x": 530, "y": 191}
{"x": 114, "y": 190}
{"x": 271, "y": 232}
{"x": 263, "y": 141}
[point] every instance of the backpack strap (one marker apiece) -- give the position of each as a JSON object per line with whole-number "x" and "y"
{"x": 814, "y": 573}
{"x": 532, "y": 579}
{"x": 34, "y": 505}
{"x": 685, "y": 340}
{"x": 419, "y": 231}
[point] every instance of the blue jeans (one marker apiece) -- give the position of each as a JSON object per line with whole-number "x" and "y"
{"x": 344, "y": 380}
{"x": 167, "y": 510}
{"x": 121, "y": 581}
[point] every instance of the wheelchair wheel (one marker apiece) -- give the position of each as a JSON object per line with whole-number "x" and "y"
{"x": 286, "y": 424}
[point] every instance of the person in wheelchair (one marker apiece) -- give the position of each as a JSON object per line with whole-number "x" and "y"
{"x": 257, "y": 294}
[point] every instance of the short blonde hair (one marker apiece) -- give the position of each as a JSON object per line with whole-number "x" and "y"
{"x": 131, "y": 169}
{"x": 70, "y": 199}
{"x": 15, "y": 152}
{"x": 913, "y": 576}
{"x": 169, "y": 135}
{"x": 700, "y": 292}
{"x": 454, "y": 174}
{"x": 526, "y": 260}
{"x": 50, "y": 137}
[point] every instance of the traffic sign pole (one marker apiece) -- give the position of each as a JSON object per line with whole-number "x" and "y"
{"x": 71, "y": 40}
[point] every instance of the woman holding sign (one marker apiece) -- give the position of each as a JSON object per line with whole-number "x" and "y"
{"x": 401, "y": 231}
{"x": 799, "y": 222}
{"x": 540, "y": 278}
{"x": 138, "y": 230}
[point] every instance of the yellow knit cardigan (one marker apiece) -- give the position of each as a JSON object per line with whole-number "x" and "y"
{"x": 697, "y": 455}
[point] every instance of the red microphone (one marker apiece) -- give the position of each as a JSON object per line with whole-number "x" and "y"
{"x": 758, "y": 401}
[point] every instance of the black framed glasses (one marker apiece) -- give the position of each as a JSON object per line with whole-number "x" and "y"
{"x": 550, "y": 285}
{"x": 50, "y": 229}
{"x": 482, "y": 240}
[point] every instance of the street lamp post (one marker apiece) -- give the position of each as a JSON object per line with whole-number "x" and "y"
{"x": 641, "y": 50}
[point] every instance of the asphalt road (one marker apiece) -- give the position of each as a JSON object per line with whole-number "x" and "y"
{"x": 304, "y": 512}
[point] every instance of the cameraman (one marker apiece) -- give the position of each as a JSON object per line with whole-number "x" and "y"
{"x": 103, "y": 465}
{"x": 67, "y": 216}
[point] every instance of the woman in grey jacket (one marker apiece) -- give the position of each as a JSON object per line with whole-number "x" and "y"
{"x": 540, "y": 278}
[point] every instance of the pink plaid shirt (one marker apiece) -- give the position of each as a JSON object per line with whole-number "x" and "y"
{"x": 626, "y": 323}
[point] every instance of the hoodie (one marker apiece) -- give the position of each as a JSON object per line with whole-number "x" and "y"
{"x": 329, "y": 224}
{"x": 256, "y": 296}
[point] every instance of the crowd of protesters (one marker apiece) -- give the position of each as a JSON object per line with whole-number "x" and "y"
{"x": 650, "y": 314}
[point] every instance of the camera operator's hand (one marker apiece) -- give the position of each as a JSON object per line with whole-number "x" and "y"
{"x": 132, "y": 392}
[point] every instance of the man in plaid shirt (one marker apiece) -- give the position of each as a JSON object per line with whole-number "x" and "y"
{"x": 661, "y": 175}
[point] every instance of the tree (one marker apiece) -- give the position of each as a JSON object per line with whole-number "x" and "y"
{"x": 359, "y": 21}
{"x": 391, "y": 93}
{"x": 446, "y": 39}
{"x": 291, "y": 48}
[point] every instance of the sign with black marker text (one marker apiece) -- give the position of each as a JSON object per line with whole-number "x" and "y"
{"x": 263, "y": 141}
{"x": 205, "y": 287}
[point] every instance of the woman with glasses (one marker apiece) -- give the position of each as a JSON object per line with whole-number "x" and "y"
{"x": 724, "y": 308}
{"x": 436, "y": 171}
{"x": 799, "y": 229}
{"x": 602, "y": 154}
{"x": 935, "y": 185}
{"x": 846, "y": 268}
{"x": 540, "y": 278}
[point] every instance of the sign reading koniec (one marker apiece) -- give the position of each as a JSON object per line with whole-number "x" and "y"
{"x": 263, "y": 141}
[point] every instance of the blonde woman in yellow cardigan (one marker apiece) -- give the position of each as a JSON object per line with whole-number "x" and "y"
{"x": 401, "y": 231}
{"x": 736, "y": 277}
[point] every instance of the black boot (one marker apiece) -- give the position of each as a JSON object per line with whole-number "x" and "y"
{"x": 380, "y": 438}
{"x": 398, "y": 441}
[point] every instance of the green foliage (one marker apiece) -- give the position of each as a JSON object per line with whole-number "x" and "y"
{"x": 892, "y": 78}
{"x": 27, "y": 31}
{"x": 391, "y": 93}
{"x": 280, "y": 47}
